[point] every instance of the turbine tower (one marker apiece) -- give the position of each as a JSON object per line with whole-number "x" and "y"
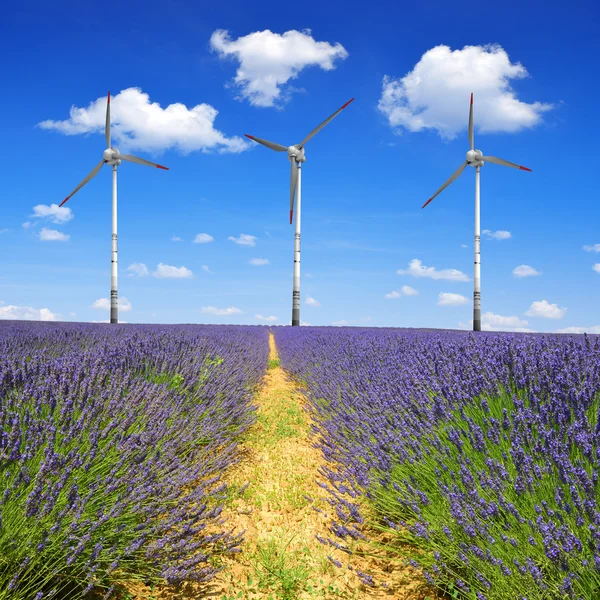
{"x": 475, "y": 158}
{"x": 296, "y": 156}
{"x": 111, "y": 156}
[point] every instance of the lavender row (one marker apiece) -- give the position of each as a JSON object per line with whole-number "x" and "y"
{"x": 480, "y": 450}
{"x": 112, "y": 444}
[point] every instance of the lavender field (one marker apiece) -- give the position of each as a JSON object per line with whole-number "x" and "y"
{"x": 479, "y": 452}
{"x": 112, "y": 446}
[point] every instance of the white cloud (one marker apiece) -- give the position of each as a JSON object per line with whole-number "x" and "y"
{"x": 525, "y": 271}
{"x": 340, "y": 323}
{"x": 543, "y": 308}
{"x": 436, "y": 93}
{"x": 261, "y": 318}
{"x": 203, "y": 238}
{"x": 304, "y": 324}
{"x": 138, "y": 123}
{"x": 4, "y": 230}
{"x": 54, "y": 212}
{"x": 493, "y": 322}
{"x": 139, "y": 269}
{"x": 592, "y": 248}
{"x": 26, "y": 313}
{"x": 257, "y": 262}
{"x": 27, "y": 225}
{"x": 311, "y": 301}
{"x": 72, "y": 314}
{"x": 593, "y": 329}
{"x": 104, "y": 304}
{"x": 206, "y": 268}
{"x": 51, "y": 235}
{"x": 267, "y": 61}
{"x": 408, "y": 291}
{"x": 416, "y": 269}
{"x": 448, "y": 299}
{"x": 176, "y": 238}
{"x": 213, "y": 310}
{"x": 463, "y": 246}
{"x": 393, "y": 295}
{"x": 497, "y": 235}
{"x": 169, "y": 272}
{"x": 243, "y": 239}
{"x": 596, "y": 267}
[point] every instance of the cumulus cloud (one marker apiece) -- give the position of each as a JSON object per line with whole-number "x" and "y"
{"x": 27, "y": 225}
{"x": 203, "y": 238}
{"x": 51, "y": 235}
{"x": 270, "y": 319}
{"x": 543, "y": 308}
{"x": 596, "y": 267}
{"x": 592, "y": 248}
{"x": 26, "y": 313}
{"x": 54, "y": 213}
{"x": 311, "y": 301}
{"x": 138, "y": 123}
{"x": 417, "y": 269}
{"x": 525, "y": 271}
{"x": 104, "y": 304}
{"x": 393, "y": 295}
{"x": 213, "y": 310}
{"x": 268, "y": 60}
{"x": 138, "y": 270}
{"x": 494, "y": 322}
{"x": 593, "y": 329}
{"x": 176, "y": 238}
{"x": 206, "y": 268}
{"x": 243, "y": 239}
{"x": 257, "y": 262}
{"x": 435, "y": 94}
{"x": 497, "y": 235}
{"x": 168, "y": 272}
{"x": 449, "y": 299}
{"x": 408, "y": 291}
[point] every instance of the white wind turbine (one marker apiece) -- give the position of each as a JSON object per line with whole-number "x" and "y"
{"x": 296, "y": 157}
{"x": 475, "y": 158}
{"x": 111, "y": 156}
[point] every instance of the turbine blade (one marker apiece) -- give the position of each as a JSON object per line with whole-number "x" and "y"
{"x": 471, "y": 132}
{"x": 454, "y": 176}
{"x": 272, "y": 145}
{"x": 500, "y": 161}
{"x": 107, "y": 126}
{"x": 140, "y": 161}
{"x": 293, "y": 184}
{"x": 317, "y": 129}
{"x": 92, "y": 174}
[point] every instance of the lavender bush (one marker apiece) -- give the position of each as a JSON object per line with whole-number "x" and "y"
{"x": 481, "y": 451}
{"x": 112, "y": 442}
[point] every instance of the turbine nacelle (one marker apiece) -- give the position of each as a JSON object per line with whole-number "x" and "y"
{"x": 474, "y": 158}
{"x": 297, "y": 154}
{"x": 111, "y": 156}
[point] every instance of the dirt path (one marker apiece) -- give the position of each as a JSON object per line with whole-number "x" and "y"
{"x": 273, "y": 495}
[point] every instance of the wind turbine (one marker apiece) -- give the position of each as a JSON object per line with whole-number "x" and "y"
{"x": 475, "y": 158}
{"x": 296, "y": 157}
{"x": 111, "y": 156}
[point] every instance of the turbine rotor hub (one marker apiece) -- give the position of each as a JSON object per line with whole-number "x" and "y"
{"x": 111, "y": 156}
{"x": 297, "y": 154}
{"x": 474, "y": 158}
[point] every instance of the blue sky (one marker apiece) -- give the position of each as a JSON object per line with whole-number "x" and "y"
{"x": 366, "y": 177}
